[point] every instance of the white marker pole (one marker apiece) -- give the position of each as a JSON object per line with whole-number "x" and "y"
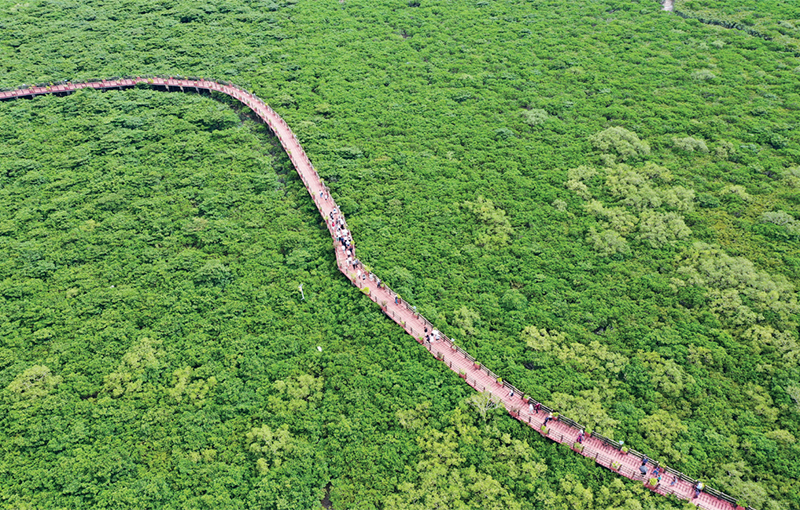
{"x": 301, "y": 292}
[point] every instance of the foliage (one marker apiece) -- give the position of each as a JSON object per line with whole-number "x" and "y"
{"x": 140, "y": 215}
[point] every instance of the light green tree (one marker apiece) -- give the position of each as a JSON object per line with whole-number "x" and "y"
{"x": 618, "y": 139}
{"x": 535, "y": 117}
{"x": 464, "y": 318}
{"x": 272, "y": 447}
{"x": 690, "y": 144}
{"x": 484, "y": 402}
{"x": 128, "y": 377}
{"x": 608, "y": 242}
{"x": 661, "y": 430}
{"x": 541, "y": 339}
{"x": 494, "y": 227}
{"x": 662, "y": 229}
{"x": 34, "y": 382}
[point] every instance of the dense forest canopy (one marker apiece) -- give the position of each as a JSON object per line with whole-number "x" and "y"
{"x": 597, "y": 199}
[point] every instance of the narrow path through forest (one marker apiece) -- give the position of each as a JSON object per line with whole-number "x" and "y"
{"x": 606, "y": 452}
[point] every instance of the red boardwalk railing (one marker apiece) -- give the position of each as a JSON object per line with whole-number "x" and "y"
{"x": 603, "y": 451}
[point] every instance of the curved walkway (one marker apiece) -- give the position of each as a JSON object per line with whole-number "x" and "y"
{"x": 604, "y": 451}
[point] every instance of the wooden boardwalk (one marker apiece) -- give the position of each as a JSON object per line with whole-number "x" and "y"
{"x": 603, "y": 451}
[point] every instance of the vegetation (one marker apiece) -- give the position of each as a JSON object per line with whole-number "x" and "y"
{"x": 773, "y": 20}
{"x": 598, "y": 198}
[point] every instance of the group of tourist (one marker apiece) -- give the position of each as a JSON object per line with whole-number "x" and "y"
{"x": 345, "y": 240}
{"x": 433, "y": 336}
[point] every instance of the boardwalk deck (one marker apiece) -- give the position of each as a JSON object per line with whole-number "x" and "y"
{"x": 604, "y": 453}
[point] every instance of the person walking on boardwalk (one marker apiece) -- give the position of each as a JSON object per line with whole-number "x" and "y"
{"x": 538, "y": 407}
{"x": 548, "y": 418}
{"x": 530, "y": 407}
{"x": 580, "y": 437}
{"x": 698, "y": 489}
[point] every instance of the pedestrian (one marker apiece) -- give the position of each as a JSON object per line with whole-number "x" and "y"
{"x": 530, "y": 407}
{"x": 656, "y": 471}
{"x": 698, "y": 489}
{"x": 548, "y": 418}
{"x": 580, "y": 437}
{"x": 674, "y": 480}
{"x": 643, "y": 470}
{"x": 538, "y": 407}
{"x": 396, "y": 300}
{"x": 644, "y": 460}
{"x": 511, "y": 395}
